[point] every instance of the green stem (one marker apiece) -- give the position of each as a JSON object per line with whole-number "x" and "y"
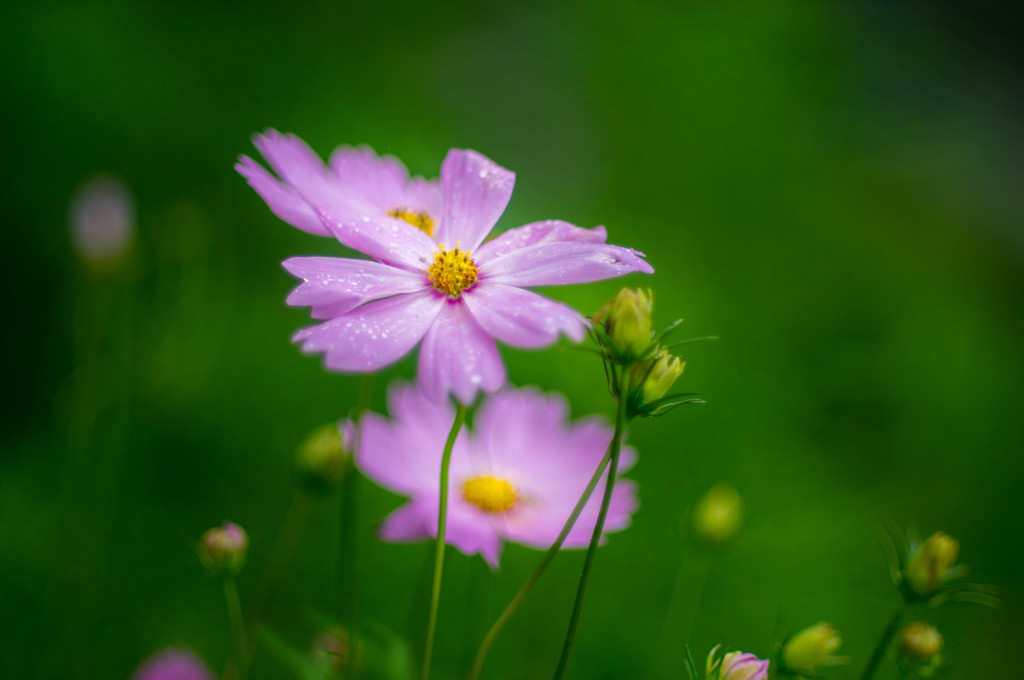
{"x": 492, "y": 634}
{"x": 883, "y": 644}
{"x": 439, "y": 544}
{"x": 234, "y": 666}
{"x": 595, "y": 538}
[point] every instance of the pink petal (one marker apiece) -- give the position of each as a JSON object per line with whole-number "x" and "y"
{"x": 333, "y": 286}
{"x": 516, "y": 427}
{"x": 475, "y": 192}
{"x": 282, "y": 199}
{"x": 550, "y": 231}
{"x": 374, "y": 335}
{"x": 471, "y": 534}
{"x": 555, "y": 264}
{"x": 408, "y": 524}
{"x": 404, "y": 454}
{"x": 386, "y": 239}
{"x": 299, "y": 166}
{"x": 381, "y": 180}
{"x": 520, "y": 318}
{"x": 458, "y": 357}
{"x": 540, "y": 526}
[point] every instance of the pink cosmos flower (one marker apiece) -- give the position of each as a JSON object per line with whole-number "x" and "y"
{"x": 516, "y": 477}
{"x": 432, "y": 279}
{"x": 173, "y": 664}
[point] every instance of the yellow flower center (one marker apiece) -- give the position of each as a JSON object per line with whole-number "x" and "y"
{"x": 452, "y": 271}
{"x": 420, "y": 220}
{"x": 490, "y": 494}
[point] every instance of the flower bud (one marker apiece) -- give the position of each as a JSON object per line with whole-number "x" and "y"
{"x": 223, "y": 548}
{"x": 740, "y": 666}
{"x": 102, "y": 220}
{"x": 718, "y": 515}
{"x": 324, "y": 458}
{"x": 667, "y": 369}
{"x": 927, "y": 568}
{"x": 920, "y": 642}
{"x": 332, "y": 650}
{"x": 627, "y": 322}
{"x": 173, "y": 664}
{"x": 812, "y": 647}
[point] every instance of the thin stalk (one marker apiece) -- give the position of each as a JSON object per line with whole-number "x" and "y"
{"x": 595, "y": 538}
{"x": 883, "y": 644}
{"x": 439, "y": 544}
{"x": 233, "y": 668}
{"x": 276, "y": 569}
{"x": 492, "y": 634}
{"x": 684, "y": 604}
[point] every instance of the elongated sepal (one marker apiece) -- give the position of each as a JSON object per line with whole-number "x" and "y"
{"x": 663, "y": 406}
{"x": 691, "y": 668}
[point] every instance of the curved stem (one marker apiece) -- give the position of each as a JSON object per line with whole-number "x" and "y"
{"x": 439, "y": 544}
{"x": 595, "y": 538}
{"x": 883, "y": 644}
{"x": 492, "y": 634}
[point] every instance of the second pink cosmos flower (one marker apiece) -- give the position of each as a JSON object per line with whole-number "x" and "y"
{"x": 433, "y": 281}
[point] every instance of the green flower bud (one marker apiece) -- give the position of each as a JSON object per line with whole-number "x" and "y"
{"x": 223, "y": 548}
{"x": 718, "y": 515}
{"x": 812, "y": 647}
{"x": 927, "y": 568}
{"x": 324, "y": 458}
{"x": 667, "y": 369}
{"x": 627, "y": 322}
{"x": 920, "y": 642}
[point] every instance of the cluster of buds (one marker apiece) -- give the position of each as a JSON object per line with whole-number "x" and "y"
{"x": 223, "y": 548}
{"x": 717, "y": 515}
{"x": 631, "y": 351}
{"x": 324, "y": 458}
{"x": 810, "y": 649}
{"x": 924, "y": 571}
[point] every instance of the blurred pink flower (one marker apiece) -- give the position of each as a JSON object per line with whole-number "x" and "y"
{"x": 430, "y": 280}
{"x": 173, "y": 664}
{"x": 516, "y": 477}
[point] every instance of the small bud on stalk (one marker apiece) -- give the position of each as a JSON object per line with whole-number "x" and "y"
{"x": 324, "y": 458}
{"x": 223, "y": 548}
{"x": 812, "y": 647}
{"x": 920, "y": 642}
{"x": 928, "y": 568}
{"x": 718, "y": 515}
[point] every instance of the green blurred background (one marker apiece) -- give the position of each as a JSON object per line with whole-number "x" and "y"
{"x": 832, "y": 188}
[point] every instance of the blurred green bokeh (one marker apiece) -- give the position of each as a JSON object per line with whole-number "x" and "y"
{"x": 834, "y": 189}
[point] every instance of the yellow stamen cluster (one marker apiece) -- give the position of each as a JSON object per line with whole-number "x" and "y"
{"x": 490, "y": 494}
{"x": 420, "y": 220}
{"x": 452, "y": 271}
